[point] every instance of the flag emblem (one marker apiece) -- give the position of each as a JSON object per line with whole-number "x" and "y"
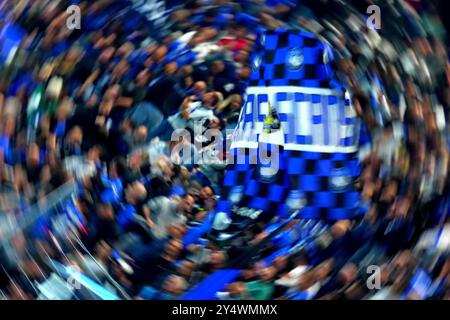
{"x": 295, "y": 58}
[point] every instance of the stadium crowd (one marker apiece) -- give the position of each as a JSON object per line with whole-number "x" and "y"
{"x": 97, "y": 106}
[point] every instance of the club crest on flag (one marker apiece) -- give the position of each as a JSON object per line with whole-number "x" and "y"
{"x": 340, "y": 179}
{"x": 263, "y": 40}
{"x": 256, "y": 63}
{"x": 236, "y": 194}
{"x": 295, "y": 58}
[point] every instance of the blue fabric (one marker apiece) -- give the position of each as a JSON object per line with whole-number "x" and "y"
{"x": 126, "y": 215}
{"x": 193, "y": 235}
{"x": 60, "y": 129}
{"x": 10, "y": 37}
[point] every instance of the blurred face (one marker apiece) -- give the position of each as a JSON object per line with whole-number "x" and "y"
{"x": 206, "y": 193}
{"x": 241, "y": 56}
{"x": 236, "y": 289}
{"x": 142, "y": 78}
{"x": 187, "y": 204}
{"x": 214, "y": 124}
{"x": 267, "y": 274}
{"x": 280, "y": 262}
{"x": 348, "y": 273}
{"x": 9, "y": 126}
{"x": 237, "y": 103}
{"x": 217, "y": 258}
{"x": 177, "y": 231}
{"x": 324, "y": 269}
{"x": 33, "y": 155}
{"x": 160, "y": 54}
{"x": 141, "y": 134}
{"x": 199, "y": 87}
{"x": 340, "y": 228}
{"x": 62, "y": 113}
{"x": 186, "y": 268}
{"x": 135, "y": 191}
{"x": 102, "y": 249}
{"x": 170, "y": 68}
{"x": 217, "y": 67}
{"x": 174, "y": 285}
{"x": 112, "y": 92}
{"x": 244, "y": 73}
{"x": 173, "y": 248}
{"x": 106, "y": 55}
{"x": 105, "y": 212}
{"x": 125, "y": 49}
{"x": 209, "y": 99}
{"x": 106, "y": 107}
{"x": 389, "y": 192}
{"x": 93, "y": 154}
{"x": 75, "y": 135}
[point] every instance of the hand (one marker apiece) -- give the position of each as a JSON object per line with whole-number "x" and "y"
{"x": 150, "y": 223}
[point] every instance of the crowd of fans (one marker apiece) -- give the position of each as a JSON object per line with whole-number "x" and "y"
{"x": 97, "y": 106}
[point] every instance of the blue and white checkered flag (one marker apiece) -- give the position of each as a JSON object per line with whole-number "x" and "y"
{"x": 317, "y": 149}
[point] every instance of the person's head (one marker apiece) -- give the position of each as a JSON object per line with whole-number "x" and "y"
{"x": 280, "y": 262}
{"x": 64, "y": 109}
{"x": 241, "y": 56}
{"x": 106, "y": 55}
{"x": 140, "y": 134}
{"x": 186, "y": 267}
{"x": 368, "y": 190}
{"x": 128, "y": 126}
{"x": 187, "y": 203}
{"x": 112, "y": 92}
{"x": 159, "y": 55}
{"x": 170, "y": 68}
{"x": 348, "y": 274}
{"x": 390, "y": 191}
{"x": 212, "y": 99}
{"x": 340, "y": 228}
{"x": 267, "y": 274}
{"x": 217, "y": 258}
{"x": 102, "y": 249}
{"x": 206, "y": 193}
{"x": 173, "y": 248}
{"x": 75, "y": 136}
{"x": 199, "y": 87}
{"x": 306, "y": 280}
{"x": 185, "y": 71}
{"x": 143, "y": 78}
{"x": 324, "y": 269}
{"x": 174, "y": 285}
{"x": 105, "y": 211}
{"x": 236, "y": 102}
{"x": 105, "y": 107}
{"x": 33, "y": 155}
{"x": 217, "y": 66}
{"x": 9, "y": 125}
{"x": 177, "y": 231}
{"x": 120, "y": 69}
{"x": 135, "y": 192}
{"x": 236, "y": 289}
{"x": 244, "y": 73}
{"x": 94, "y": 153}
{"x": 125, "y": 49}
